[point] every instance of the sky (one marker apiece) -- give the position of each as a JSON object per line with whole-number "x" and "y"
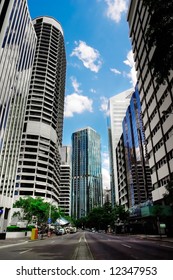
{"x": 99, "y": 62}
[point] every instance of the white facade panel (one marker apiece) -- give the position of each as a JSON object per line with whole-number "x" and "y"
{"x": 158, "y": 194}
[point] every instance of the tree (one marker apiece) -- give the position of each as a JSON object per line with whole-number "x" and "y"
{"x": 102, "y": 217}
{"x": 159, "y": 35}
{"x": 120, "y": 213}
{"x": 38, "y": 208}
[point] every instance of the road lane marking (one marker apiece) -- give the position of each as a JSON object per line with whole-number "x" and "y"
{"x": 23, "y": 252}
{"x": 126, "y": 245}
{"x": 166, "y": 246}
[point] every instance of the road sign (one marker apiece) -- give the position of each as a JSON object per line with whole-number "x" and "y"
{"x": 1, "y": 211}
{"x": 49, "y": 220}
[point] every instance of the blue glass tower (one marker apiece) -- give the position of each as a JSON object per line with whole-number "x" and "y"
{"x": 86, "y": 172}
{"x": 138, "y": 172}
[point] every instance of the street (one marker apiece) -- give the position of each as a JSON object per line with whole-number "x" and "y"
{"x": 89, "y": 245}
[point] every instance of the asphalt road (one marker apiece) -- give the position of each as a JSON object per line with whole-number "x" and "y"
{"x": 88, "y": 246}
{"x": 110, "y": 247}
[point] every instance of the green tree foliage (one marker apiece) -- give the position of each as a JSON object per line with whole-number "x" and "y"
{"x": 160, "y": 35}
{"x": 102, "y": 217}
{"x": 38, "y": 208}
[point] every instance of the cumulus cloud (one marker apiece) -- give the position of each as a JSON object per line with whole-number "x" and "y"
{"x": 115, "y": 8}
{"x": 130, "y": 62}
{"x": 104, "y": 104}
{"x": 75, "y": 103}
{"x": 89, "y": 56}
{"x": 115, "y": 71}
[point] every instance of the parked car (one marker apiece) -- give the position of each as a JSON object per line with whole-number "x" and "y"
{"x": 60, "y": 231}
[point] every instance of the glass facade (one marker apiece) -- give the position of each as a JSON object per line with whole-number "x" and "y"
{"x": 86, "y": 190}
{"x": 17, "y": 44}
{"x": 137, "y": 167}
{"x": 38, "y": 173}
{"x": 117, "y": 109}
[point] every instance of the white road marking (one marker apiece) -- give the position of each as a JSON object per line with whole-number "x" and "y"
{"x": 23, "y": 252}
{"x": 126, "y": 245}
{"x": 166, "y": 246}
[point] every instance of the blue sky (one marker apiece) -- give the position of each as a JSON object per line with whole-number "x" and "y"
{"x": 99, "y": 61}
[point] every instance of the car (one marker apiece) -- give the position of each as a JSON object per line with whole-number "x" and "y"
{"x": 60, "y": 231}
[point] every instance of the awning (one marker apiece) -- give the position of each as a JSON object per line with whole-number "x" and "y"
{"x": 61, "y": 222}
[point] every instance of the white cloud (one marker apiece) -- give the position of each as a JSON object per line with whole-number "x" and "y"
{"x": 115, "y": 9}
{"x": 115, "y": 71}
{"x": 92, "y": 90}
{"x": 75, "y": 85}
{"x": 130, "y": 62}
{"x": 104, "y": 104}
{"x": 88, "y": 55}
{"x": 75, "y": 103}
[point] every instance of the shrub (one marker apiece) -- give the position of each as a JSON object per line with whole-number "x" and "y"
{"x": 15, "y": 228}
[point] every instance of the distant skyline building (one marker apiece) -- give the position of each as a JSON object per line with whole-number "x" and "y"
{"x": 65, "y": 182}
{"x": 117, "y": 108}
{"x": 17, "y": 44}
{"x": 137, "y": 168}
{"x": 106, "y": 196}
{"x": 87, "y": 189}
{"x": 155, "y": 99}
{"x": 38, "y": 173}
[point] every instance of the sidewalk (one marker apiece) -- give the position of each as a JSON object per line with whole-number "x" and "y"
{"x": 162, "y": 238}
{"x": 9, "y": 242}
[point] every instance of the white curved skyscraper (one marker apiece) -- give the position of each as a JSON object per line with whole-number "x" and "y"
{"x": 39, "y": 163}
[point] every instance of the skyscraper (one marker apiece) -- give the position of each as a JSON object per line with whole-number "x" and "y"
{"x": 155, "y": 99}
{"x": 117, "y": 108}
{"x": 86, "y": 190}
{"x": 65, "y": 183}
{"x": 17, "y": 44}
{"x": 38, "y": 173}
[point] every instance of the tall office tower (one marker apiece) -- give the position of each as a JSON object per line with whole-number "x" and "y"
{"x": 65, "y": 182}
{"x": 117, "y": 108}
{"x": 39, "y": 160}
{"x": 17, "y": 44}
{"x": 122, "y": 174}
{"x": 136, "y": 157}
{"x": 154, "y": 99}
{"x": 87, "y": 190}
